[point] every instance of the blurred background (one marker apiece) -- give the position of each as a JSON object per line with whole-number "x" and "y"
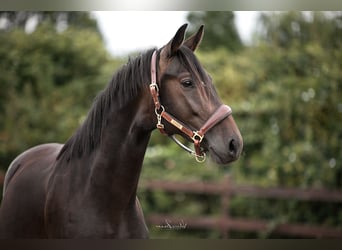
{"x": 284, "y": 84}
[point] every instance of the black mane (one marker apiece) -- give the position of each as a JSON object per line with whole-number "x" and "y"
{"x": 125, "y": 85}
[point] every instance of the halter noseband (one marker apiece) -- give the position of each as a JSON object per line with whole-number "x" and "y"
{"x": 196, "y": 136}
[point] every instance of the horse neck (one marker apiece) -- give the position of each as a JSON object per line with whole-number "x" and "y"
{"x": 117, "y": 162}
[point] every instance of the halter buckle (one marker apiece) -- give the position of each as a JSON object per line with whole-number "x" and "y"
{"x": 197, "y": 137}
{"x": 155, "y": 86}
{"x": 159, "y": 113}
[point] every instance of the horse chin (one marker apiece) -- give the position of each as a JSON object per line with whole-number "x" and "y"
{"x": 220, "y": 159}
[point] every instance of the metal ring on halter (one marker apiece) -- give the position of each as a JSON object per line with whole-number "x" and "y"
{"x": 199, "y": 158}
{"x": 159, "y": 111}
{"x": 189, "y": 150}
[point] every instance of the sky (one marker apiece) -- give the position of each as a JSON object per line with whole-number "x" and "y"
{"x": 128, "y": 31}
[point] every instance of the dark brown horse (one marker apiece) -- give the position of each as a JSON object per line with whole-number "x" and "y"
{"x": 87, "y": 187}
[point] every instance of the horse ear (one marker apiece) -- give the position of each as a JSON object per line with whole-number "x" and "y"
{"x": 194, "y": 41}
{"x": 177, "y": 41}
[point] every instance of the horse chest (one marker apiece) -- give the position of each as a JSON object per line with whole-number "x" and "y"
{"x": 91, "y": 222}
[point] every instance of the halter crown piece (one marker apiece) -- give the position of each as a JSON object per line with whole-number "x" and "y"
{"x": 197, "y": 135}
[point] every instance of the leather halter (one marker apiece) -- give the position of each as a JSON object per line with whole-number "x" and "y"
{"x": 196, "y": 136}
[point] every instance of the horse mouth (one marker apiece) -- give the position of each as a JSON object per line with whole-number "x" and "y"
{"x": 221, "y": 159}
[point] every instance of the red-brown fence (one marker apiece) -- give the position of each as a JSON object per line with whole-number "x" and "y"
{"x": 227, "y": 189}
{"x": 225, "y": 223}
{"x": 2, "y": 178}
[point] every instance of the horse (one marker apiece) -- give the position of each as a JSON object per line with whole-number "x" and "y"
{"x": 87, "y": 187}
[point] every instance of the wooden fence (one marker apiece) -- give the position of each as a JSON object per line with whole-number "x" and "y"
{"x": 225, "y": 223}
{"x": 2, "y": 178}
{"x": 227, "y": 189}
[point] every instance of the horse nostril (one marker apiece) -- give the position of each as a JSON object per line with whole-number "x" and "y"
{"x": 233, "y": 148}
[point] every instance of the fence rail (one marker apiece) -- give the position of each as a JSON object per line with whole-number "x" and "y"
{"x": 2, "y": 178}
{"x": 227, "y": 189}
{"x": 225, "y": 223}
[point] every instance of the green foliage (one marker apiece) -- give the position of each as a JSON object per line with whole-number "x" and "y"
{"x": 284, "y": 109}
{"x": 59, "y": 20}
{"x": 286, "y": 30}
{"x": 48, "y": 81}
{"x": 295, "y": 103}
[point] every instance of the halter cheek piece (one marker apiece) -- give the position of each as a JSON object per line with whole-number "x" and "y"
{"x": 196, "y": 136}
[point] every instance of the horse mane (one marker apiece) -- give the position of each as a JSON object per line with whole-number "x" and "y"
{"x": 125, "y": 85}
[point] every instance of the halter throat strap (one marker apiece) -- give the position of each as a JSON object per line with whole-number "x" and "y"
{"x": 195, "y": 135}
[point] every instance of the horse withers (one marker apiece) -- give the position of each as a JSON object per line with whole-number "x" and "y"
{"x": 87, "y": 187}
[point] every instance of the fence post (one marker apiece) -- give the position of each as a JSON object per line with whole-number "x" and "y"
{"x": 225, "y": 200}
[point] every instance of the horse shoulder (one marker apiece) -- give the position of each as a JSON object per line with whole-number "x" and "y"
{"x": 24, "y": 194}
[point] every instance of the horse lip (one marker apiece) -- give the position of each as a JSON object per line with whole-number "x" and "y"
{"x": 218, "y": 159}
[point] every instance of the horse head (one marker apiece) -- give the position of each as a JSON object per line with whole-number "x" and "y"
{"x": 186, "y": 101}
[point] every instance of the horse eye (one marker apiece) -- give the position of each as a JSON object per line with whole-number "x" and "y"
{"x": 187, "y": 83}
